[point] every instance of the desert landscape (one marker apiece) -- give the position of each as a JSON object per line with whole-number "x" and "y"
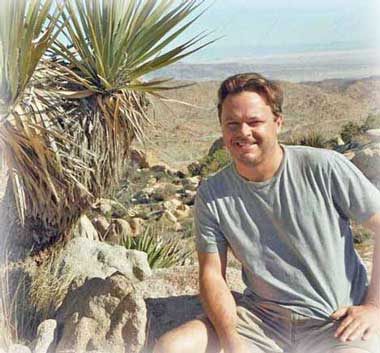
{"x": 183, "y": 132}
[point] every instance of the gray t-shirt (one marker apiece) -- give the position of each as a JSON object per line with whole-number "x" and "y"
{"x": 291, "y": 233}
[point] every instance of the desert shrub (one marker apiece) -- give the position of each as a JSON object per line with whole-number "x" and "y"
{"x": 372, "y": 122}
{"x": 162, "y": 250}
{"x": 312, "y": 139}
{"x": 17, "y": 317}
{"x": 49, "y": 286}
{"x": 212, "y": 163}
{"x": 164, "y": 192}
{"x": 28, "y": 296}
{"x": 350, "y": 130}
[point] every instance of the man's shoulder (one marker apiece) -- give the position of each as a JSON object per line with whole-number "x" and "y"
{"x": 217, "y": 180}
{"x": 311, "y": 156}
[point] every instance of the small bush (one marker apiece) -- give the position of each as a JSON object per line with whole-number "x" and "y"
{"x": 313, "y": 139}
{"x": 350, "y": 130}
{"x": 372, "y": 122}
{"x": 28, "y": 296}
{"x": 162, "y": 251}
{"x": 211, "y": 164}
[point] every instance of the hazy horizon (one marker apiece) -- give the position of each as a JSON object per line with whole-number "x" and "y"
{"x": 251, "y": 29}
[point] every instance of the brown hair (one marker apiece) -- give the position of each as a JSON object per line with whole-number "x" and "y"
{"x": 270, "y": 91}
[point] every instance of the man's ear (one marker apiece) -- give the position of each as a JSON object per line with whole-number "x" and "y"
{"x": 279, "y": 121}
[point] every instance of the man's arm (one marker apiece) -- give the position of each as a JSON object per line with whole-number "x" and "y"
{"x": 218, "y": 301}
{"x": 364, "y": 320}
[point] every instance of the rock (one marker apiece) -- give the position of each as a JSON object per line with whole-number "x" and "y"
{"x": 171, "y": 298}
{"x": 137, "y": 225}
{"x": 105, "y": 206}
{"x": 159, "y": 168}
{"x": 85, "y": 229}
{"x": 189, "y": 197}
{"x": 89, "y": 259}
{"x": 118, "y": 230}
{"x": 182, "y": 211}
{"x": 151, "y": 182}
{"x": 168, "y": 215}
{"x": 191, "y": 183}
{"x": 171, "y": 204}
{"x": 101, "y": 224}
{"x": 177, "y": 227}
{"x": 45, "y": 340}
{"x": 373, "y": 134}
{"x": 18, "y": 348}
{"x": 105, "y": 315}
{"x": 139, "y": 158}
{"x": 164, "y": 191}
{"x": 367, "y": 159}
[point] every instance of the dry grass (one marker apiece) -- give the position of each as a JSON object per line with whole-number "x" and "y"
{"x": 28, "y": 296}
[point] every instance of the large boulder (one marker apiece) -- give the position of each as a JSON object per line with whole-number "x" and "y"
{"x": 171, "y": 297}
{"x": 88, "y": 259}
{"x": 103, "y": 314}
{"x": 116, "y": 315}
{"x": 367, "y": 159}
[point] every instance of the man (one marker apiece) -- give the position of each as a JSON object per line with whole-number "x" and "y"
{"x": 284, "y": 211}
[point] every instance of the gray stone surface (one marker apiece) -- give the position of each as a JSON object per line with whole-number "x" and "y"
{"x": 89, "y": 258}
{"x": 367, "y": 159}
{"x": 18, "y": 348}
{"x": 103, "y": 314}
{"x": 46, "y": 335}
{"x": 85, "y": 229}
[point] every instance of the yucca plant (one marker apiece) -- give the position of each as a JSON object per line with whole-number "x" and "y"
{"x": 66, "y": 141}
{"x": 163, "y": 251}
{"x": 27, "y": 29}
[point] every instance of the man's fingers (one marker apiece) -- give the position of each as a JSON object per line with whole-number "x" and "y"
{"x": 351, "y": 329}
{"x": 368, "y": 333}
{"x": 338, "y": 314}
{"x": 357, "y": 333}
{"x": 343, "y": 325}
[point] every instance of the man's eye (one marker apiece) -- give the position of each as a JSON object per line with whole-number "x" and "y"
{"x": 232, "y": 125}
{"x": 255, "y": 123}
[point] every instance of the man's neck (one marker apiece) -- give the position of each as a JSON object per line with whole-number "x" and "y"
{"x": 263, "y": 171}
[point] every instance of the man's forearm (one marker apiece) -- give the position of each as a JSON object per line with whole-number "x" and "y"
{"x": 220, "y": 307}
{"x": 373, "y": 295}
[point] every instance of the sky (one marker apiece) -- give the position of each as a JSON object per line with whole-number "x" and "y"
{"x": 251, "y": 28}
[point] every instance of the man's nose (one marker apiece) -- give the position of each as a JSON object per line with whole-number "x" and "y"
{"x": 245, "y": 129}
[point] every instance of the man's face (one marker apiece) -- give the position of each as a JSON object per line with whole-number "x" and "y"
{"x": 249, "y": 129}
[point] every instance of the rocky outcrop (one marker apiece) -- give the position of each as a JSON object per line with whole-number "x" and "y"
{"x": 171, "y": 297}
{"x": 104, "y": 315}
{"x": 367, "y": 159}
{"x": 117, "y": 315}
{"x": 90, "y": 259}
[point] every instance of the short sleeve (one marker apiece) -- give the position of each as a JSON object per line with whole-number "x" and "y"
{"x": 208, "y": 235}
{"x": 353, "y": 194}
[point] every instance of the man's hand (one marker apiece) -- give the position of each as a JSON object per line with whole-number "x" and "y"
{"x": 360, "y": 321}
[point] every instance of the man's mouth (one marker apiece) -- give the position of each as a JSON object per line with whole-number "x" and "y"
{"x": 244, "y": 144}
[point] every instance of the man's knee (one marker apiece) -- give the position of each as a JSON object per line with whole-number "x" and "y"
{"x": 168, "y": 343}
{"x": 194, "y": 336}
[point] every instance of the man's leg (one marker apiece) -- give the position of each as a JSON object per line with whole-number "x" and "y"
{"x": 316, "y": 336}
{"x": 193, "y": 336}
